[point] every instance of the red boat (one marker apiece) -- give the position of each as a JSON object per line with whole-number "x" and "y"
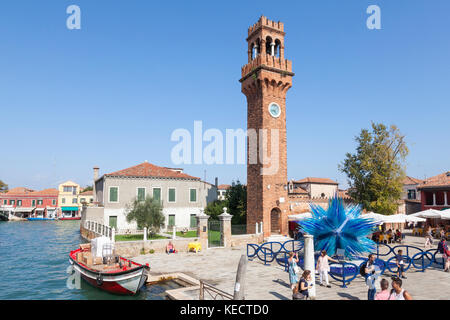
{"x": 121, "y": 277}
{"x": 70, "y": 218}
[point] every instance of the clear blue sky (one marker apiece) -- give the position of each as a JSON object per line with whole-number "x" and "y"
{"x": 111, "y": 93}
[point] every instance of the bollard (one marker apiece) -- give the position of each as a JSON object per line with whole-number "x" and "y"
{"x": 256, "y": 228}
{"x": 239, "y": 285}
{"x": 113, "y": 237}
{"x": 174, "y": 233}
{"x": 145, "y": 233}
{"x": 309, "y": 263}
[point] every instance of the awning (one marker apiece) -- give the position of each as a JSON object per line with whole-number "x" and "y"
{"x": 300, "y": 216}
{"x": 23, "y": 209}
{"x": 69, "y": 208}
{"x": 40, "y": 209}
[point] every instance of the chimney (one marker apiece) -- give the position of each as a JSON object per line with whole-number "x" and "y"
{"x": 93, "y": 184}
{"x": 217, "y": 182}
{"x": 96, "y": 173}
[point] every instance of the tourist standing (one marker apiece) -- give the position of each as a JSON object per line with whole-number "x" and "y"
{"x": 369, "y": 274}
{"x": 323, "y": 267}
{"x": 443, "y": 248}
{"x": 397, "y": 293}
{"x": 293, "y": 269}
{"x": 384, "y": 293}
{"x": 428, "y": 237}
{"x": 400, "y": 264}
{"x": 442, "y": 232}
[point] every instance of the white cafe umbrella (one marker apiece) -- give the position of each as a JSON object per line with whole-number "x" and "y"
{"x": 430, "y": 213}
{"x": 375, "y": 216}
{"x": 445, "y": 214}
{"x": 402, "y": 218}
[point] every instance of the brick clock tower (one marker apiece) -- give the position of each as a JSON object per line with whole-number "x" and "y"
{"x": 265, "y": 81}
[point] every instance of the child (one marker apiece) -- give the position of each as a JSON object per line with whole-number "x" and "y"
{"x": 400, "y": 264}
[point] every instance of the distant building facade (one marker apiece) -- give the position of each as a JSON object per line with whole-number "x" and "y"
{"x": 435, "y": 192}
{"x": 27, "y": 203}
{"x": 312, "y": 190}
{"x": 411, "y": 196}
{"x": 222, "y": 190}
{"x": 182, "y": 196}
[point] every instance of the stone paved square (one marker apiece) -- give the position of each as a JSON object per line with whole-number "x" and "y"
{"x": 270, "y": 282}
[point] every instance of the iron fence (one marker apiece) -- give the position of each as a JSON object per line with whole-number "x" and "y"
{"x": 237, "y": 229}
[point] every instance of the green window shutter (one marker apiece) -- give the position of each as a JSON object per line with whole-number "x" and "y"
{"x": 171, "y": 195}
{"x": 113, "y": 194}
{"x": 141, "y": 194}
{"x": 113, "y": 222}
{"x": 157, "y": 194}
{"x": 193, "y": 221}
{"x": 171, "y": 220}
{"x": 193, "y": 195}
{"x": 33, "y": 203}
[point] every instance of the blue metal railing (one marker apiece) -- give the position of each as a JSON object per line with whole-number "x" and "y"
{"x": 345, "y": 271}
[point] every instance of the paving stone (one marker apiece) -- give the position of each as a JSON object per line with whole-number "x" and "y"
{"x": 268, "y": 282}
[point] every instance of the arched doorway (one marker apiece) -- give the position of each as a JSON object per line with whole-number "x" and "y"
{"x": 275, "y": 221}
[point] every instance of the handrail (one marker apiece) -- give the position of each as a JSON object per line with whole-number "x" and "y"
{"x": 99, "y": 229}
{"x": 213, "y": 292}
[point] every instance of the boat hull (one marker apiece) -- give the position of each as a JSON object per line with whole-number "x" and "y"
{"x": 40, "y": 219}
{"x": 70, "y": 218}
{"x": 122, "y": 283}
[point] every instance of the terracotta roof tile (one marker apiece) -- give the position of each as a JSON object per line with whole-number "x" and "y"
{"x": 316, "y": 180}
{"x": 46, "y": 192}
{"x": 411, "y": 180}
{"x": 19, "y": 190}
{"x": 87, "y": 193}
{"x": 223, "y": 186}
{"x": 146, "y": 169}
{"x": 440, "y": 180}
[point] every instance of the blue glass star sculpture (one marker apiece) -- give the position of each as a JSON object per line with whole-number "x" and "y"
{"x": 339, "y": 228}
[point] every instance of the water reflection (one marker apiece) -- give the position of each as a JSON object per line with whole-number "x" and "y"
{"x": 34, "y": 257}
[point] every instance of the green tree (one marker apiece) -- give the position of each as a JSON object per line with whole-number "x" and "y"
{"x": 3, "y": 186}
{"x": 88, "y": 188}
{"x": 236, "y": 197}
{"x": 146, "y": 213}
{"x": 215, "y": 208}
{"x": 376, "y": 171}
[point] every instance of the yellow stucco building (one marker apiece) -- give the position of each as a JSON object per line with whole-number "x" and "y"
{"x": 71, "y": 199}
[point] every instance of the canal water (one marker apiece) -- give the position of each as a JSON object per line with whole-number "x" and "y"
{"x": 34, "y": 262}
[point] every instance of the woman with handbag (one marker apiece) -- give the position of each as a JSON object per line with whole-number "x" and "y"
{"x": 293, "y": 269}
{"x": 301, "y": 289}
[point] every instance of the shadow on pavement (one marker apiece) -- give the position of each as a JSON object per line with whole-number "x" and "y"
{"x": 282, "y": 282}
{"x": 279, "y": 296}
{"x": 347, "y": 296}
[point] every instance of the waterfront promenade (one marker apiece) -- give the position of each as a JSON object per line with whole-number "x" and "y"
{"x": 267, "y": 282}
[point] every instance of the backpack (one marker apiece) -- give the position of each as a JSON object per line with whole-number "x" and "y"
{"x": 362, "y": 269}
{"x": 440, "y": 247}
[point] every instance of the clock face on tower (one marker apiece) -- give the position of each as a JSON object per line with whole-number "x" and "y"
{"x": 274, "y": 110}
